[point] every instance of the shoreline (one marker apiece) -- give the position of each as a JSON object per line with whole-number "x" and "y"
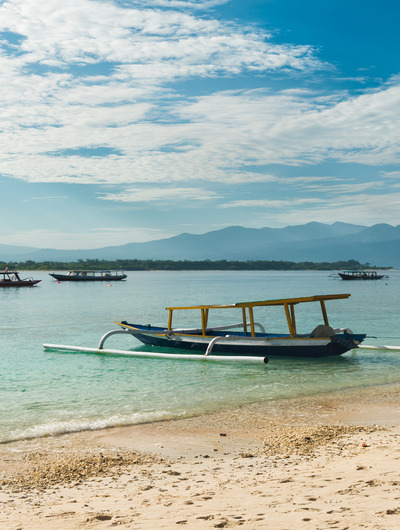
{"x": 326, "y": 461}
{"x": 276, "y": 406}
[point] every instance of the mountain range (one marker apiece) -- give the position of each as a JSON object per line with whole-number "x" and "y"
{"x": 378, "y": 245}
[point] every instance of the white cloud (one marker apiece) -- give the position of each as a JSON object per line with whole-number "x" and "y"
{"x": 355, "y": 208}
{"x": 347, "y": 188}
{"x": 49, "y": 198}
{"x": 52, "y": 101}
{"x": 89, "y": 31}
{"x": 161, "y": 195}
{"x": 287, "y": 128}
{"x": 260, "y": 203}
{"x": 98, "y": 238}
{"x": 391, "y": 175}
{"x": 187, "y": 4}
{"x": 221, "y": 137}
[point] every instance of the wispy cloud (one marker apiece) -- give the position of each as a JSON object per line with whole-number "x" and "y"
{"x": 50, "y": 198}
{"x": 183, "y": 4}
{"x": 395, "y": 175}
{"x": 56, "y": 95}
{"x": 377, "y": 208}
{"x": 224, "y": 133}
{"x": 161, "y": 195}
{"x": 96, "y": 238}
{"x": 257, "y": 203}
{"x": 86, "y": 32}
{"x": 347, "y": 188}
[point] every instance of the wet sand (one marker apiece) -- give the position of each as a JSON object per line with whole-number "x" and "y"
{"x": 318, "y": 462}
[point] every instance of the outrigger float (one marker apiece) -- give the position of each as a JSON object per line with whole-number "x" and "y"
{"x": 251, "y": 343}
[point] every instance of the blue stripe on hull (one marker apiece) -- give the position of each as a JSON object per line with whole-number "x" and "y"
{"x": 330, "y": 349}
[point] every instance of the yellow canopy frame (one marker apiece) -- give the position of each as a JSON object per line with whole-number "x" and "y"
{"x": 287, "y": 303}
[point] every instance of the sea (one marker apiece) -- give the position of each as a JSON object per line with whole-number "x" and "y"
{"x": 44, "y": 393}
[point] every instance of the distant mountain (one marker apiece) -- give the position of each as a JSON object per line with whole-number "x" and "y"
{"x": 11, "y": 252}
{"x": 378, "y": 245}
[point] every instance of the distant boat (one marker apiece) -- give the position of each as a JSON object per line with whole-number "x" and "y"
{"x": 13, "y": 279}
{"x": 359, "y": 275}
{"x": 89, "y": 276}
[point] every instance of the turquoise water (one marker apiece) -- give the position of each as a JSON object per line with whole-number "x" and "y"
{"x": 44, "y": 393}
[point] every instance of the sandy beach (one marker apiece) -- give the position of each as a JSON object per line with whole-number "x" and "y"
{"x": 319, "y": 462}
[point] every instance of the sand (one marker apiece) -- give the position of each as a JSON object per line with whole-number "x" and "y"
{"x": 319, "y": 462}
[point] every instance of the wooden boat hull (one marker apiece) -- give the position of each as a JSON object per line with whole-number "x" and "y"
{"x": 66, "y": 278}
{"x": 361, "y": 276}
{"x": 21, "y": 283}
{"x": 237, "y": 344}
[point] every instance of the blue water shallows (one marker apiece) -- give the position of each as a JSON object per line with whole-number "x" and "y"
{"x": 44, "y": 393}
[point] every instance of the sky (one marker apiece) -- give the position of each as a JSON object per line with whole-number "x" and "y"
{"x": 128, "y": 121}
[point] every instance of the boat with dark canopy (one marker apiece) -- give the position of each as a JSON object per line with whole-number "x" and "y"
{"x": 89, "y": 276}
{"x": 360, "y": 275}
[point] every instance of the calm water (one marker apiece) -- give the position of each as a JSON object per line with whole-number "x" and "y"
{"x": 45, "y": 393}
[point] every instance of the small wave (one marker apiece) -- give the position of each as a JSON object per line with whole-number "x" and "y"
{"x": 73, "y": 426}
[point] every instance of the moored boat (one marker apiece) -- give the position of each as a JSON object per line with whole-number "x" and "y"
{"x": 13, "y": 279}
{"x": 89, "y": 276}
{"x": 250, "y": 342}
{"x": 360, "y": 275}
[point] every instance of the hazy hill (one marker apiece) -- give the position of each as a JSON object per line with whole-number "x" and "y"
{"x": 378, "y": 244}
{"x": 10, "y": 252}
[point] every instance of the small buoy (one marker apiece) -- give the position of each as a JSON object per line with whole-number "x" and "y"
{"x": 58, "y": 282}
{"x": 109, "y": 285}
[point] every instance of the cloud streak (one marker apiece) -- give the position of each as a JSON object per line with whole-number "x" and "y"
{"x": 96, "y": 238}
{"x": 176, "y": 195}
{"x": 377, "y": 208}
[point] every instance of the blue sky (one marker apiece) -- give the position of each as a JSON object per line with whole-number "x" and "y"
{"x": 125, "y": 121}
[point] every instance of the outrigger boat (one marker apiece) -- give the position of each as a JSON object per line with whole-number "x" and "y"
{"x": 89, "y": 276}
{"x": 221, "y": 342}
{"x": 13, "y": 279}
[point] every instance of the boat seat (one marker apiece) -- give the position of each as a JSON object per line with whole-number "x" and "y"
{"x": 322, "y": 331}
